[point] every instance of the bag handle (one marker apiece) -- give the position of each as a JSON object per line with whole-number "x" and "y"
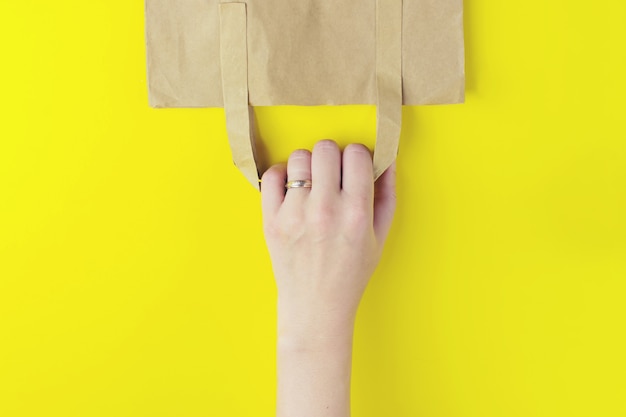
{"x": 239, "y": 115}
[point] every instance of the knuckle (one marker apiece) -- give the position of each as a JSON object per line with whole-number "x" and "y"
{"x": 358, "y": 149}
{"x": 291, "y": 225}
{"x": 285, "y": 229}
{"x": 299, "y": 154}
{"x": 273, "y": 174}
{"x": 322, "y": 219}
{"x": 272, "y": 230}
{"x": 360, "y": 199}
{"x": 326, "y": 145}
{"x": 390, "y": 196}
{"x": 393, "y": 197}
{"x": 357, "y": 220}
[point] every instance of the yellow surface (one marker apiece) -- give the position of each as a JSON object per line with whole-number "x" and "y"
{"x": 134, "y": 280}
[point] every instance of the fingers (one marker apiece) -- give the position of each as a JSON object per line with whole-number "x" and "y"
{"x": 273, "y": 188}
{"x": 385, "y": 202}
{"x": 326, "y": 167}
{"x": 358, "y": 173}
{"x": 298, "y": 168}
{"x": 331, "y": 172}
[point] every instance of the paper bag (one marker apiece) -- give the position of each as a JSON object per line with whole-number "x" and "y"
{"x": 237, "y": 54}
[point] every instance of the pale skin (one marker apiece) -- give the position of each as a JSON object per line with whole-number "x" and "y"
{"x": 325, "y": 243}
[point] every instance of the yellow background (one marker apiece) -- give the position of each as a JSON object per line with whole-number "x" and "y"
{"x": 134, "y": 280}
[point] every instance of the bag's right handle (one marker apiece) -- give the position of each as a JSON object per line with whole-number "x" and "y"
{"x": 235, "y": 85}
{"x": 388, "y": 83}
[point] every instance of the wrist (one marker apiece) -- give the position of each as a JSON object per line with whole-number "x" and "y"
{"x": 314, "y": 361}
{"x": 314, "y": 327}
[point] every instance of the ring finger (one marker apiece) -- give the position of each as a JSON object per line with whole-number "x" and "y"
{"x": 299, "y": 169}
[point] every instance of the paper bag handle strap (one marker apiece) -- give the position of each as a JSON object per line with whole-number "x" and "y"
{"x": 388, "y": 83}
{"x": 234, "y": 61}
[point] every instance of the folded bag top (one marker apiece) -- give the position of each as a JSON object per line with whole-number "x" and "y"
{"x": 212, "y": 53}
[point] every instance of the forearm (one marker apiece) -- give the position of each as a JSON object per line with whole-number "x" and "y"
{"x": 314, "y": 356}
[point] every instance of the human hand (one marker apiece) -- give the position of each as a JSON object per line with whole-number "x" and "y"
{"x": 326, "y": 241}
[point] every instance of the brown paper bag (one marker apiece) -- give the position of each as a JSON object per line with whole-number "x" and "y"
{"x": 214, "y": 53}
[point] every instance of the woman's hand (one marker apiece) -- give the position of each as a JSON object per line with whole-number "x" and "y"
{"x": 325, "y": 242}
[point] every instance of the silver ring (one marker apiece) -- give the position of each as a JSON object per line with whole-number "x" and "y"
{"x": 299, "y": 184}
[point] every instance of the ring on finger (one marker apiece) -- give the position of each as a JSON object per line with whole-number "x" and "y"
{"x": 299, "y": 184}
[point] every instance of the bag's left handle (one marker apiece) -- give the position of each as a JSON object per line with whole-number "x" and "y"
{"x": 234, "y": 65}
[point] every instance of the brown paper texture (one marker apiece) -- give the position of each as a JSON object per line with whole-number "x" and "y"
{"x": 236, "y": 54}
{"x": 303, "y": 52}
